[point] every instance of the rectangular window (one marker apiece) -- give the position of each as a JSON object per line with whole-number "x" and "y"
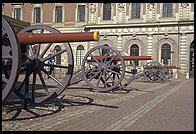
{"x": 37, "y": 15}
{"x": 58, "y": 14}
{"x": 17, "y": 13}
{"x": 167, "y": 9}
{"x": 107, "y": 11}
{"x": 81, "y": 12}
{"x": 135, "y": 13}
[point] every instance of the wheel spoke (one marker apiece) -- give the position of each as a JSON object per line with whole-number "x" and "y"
{"x": 45, "y": 50}
{"x": 49, "y": 57}
{"x": 95, "y": 59}
{"x": 105, "y": 82}
{"x": 59, "y": 66}
{"x": 99, "y": 79}
{"x": 43, "y": 82}
{"x": 111, "y": 59}
{"x": 94, "y": 75}
{"x": 112, "y": 71}
{"x": 33, "y": 86}
{"x": 4, "y": 79}
{"x": 46, "y": 72}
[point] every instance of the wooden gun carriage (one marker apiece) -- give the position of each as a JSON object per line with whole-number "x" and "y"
{"x": 103, "y": 68}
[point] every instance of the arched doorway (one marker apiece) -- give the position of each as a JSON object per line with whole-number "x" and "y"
{"x": 134, "y": 51}
{"x": 191, "y": 61}
{"x": 166, "y": 54}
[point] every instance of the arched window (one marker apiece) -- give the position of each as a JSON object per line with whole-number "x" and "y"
{"x": 134, "y": 51}
{"x": 166, "y": 54}
{"x": 135, "y": 13}
{"x": 58, "y": 57}
{"x": 104, "y": 51}
{"x": 79, "y": 55}
{"x": 106, "y": 11}
{"x": 167, "y": 9}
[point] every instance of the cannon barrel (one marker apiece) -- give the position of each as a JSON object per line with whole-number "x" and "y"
{"x": 125, "y": 58}
{"x": 165, "y": 66}
{"x": 35, "y": 38}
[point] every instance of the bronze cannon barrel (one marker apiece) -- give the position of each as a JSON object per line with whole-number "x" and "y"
{"x": 125, "y": 58}
{"x": 165, "y": 66}
{"x": 35, "y": 38}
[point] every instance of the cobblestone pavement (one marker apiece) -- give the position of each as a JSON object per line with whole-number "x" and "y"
{"x": 141, "y": 106}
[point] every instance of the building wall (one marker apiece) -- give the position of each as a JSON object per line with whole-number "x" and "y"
{"x": 150, "y": 31}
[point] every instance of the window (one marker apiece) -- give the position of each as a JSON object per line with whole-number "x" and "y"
{"x": 79, "y": 55}
{"x": 81, "y": 12}
{"x": 134, "y": 51}
{"x": 17, "y": 13}
{"x": 107, "y": 11}
{"x": 37, "y": 15}
{"x": 167, "y": 9}
{"x": 166, "y": 54}
{"x": 58, "y": 57}
{"x": 58, "y": 14}
{"x": 105, "y": 51}
{"x": 135, "y": 13}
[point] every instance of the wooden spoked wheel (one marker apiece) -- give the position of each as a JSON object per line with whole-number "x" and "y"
{"x": 105, "y": 74}
{"x": 35, "y": 74}
{"x": 154, "y": 71}
{"x": 10, "y": 59}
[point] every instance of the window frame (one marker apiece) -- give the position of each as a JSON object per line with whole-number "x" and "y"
{"x": 136, "y": 11}
{"x": 136, "y": 53}
{"x": 167, "y": 10}
{"x": 110, "y": 12}
{"x": 16, "y": 5}
{"x": 164, "y": 53}
{"x": 79, "y": 55}
{"x": 41, "y": 13}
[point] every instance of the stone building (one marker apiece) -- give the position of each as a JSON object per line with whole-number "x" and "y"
{"x": 164, "y": 30}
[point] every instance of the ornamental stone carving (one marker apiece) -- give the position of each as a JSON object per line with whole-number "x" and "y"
{"x": 93, "y": 12}
{"x": 151, "y": 12}
{"x": 120, "y": 16}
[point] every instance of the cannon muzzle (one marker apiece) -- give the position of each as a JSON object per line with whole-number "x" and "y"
{"x": 35, "y": 38}
{"x": 125, "y": 58}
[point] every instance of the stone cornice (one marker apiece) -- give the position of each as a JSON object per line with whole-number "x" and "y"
{"x": 173, "y": 23}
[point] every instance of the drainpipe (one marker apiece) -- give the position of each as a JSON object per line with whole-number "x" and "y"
{"x": 177, "y": 74}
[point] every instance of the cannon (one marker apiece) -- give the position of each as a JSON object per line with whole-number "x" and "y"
{"x": 16, "y": 62}
{"x": 103, "y": 68}
{"x": 156, "y": 72}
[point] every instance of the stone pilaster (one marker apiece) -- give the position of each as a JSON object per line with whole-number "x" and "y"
{"x": 150, "y": 45}
{"x": 91, "y": 45}
{"x": 182, "y": 54}
{"x": 119, "y": 45}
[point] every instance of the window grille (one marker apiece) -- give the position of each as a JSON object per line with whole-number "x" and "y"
{"x": 37, "y": 15}
{"x": 17, "y": 13}
{"x": 79, "y": 55}
{"x": 58, "y": 14}
{"x": 135, "y": 13}
{"x": 107, "y": 11}
{"x": 166, "y": 54}
{"x": 81, "y": 12}
{"x": 134, "y": 51}
{"x": 167, "y": 9}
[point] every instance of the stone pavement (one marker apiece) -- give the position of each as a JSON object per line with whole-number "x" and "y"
{"x": 146, "y": 106}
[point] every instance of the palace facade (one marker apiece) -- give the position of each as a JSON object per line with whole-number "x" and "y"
{"x": 162, "y": 30}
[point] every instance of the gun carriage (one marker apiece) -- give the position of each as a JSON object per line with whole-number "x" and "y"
{"x": 103, "y": 68}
